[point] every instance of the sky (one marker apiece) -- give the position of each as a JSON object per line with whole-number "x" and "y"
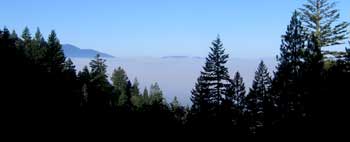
{"x": 156, "y": 28}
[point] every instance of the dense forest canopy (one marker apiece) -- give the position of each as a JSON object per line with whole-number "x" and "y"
{"x": 305, "y": 94}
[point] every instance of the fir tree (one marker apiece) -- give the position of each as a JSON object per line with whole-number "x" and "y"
{"x": 136, "y": 98}
{"x": 27, "y": 38}
{"x": 201, "y": 97}
{"x": 156, "y": 95}
{"x": 119, "y": 79}
{"x": 100, "y": 89}
{"x": 287, "y": 87}
{"x": 319, "y": 16}
{"x": 236, "y": 92}
{"x": 54, "y": 56}
{"x": 259, "y": 98}
{"x": 145, "y": 97}
{"x": 215, "y": 72}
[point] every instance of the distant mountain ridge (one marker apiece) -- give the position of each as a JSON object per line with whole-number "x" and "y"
{"x": 181, "y": 57}
{"x": 75, "y": 52}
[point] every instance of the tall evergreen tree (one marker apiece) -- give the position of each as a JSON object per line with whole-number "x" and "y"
{"x": 125, "y": 99}
{"x": 320, "y": 17}
{"x": 145, "y": 96}
{"x": 12, "y": 63}
{"x": 202, "y": 104}
{"x": 27, "y": 38}
{"x": 178, "y": 111}
{"x": 287, "y": 81}
{"x": 84, "y": 75}
{"x": 38, "y": 47}
{"x": 231, "y": 110}
{"x": 156, "y": 94}
{"x": 100, "y": 89}
{"x": 313, "y": 79}
{"x": 135, "y": 88}
{"x": 84, "y": 83}
{"x": 174, "y": 103}
{"x": 136, "y": 98}
{"x": 71, "y": 90}
{"x": 201, "y": 97}
{"x": 98, "y": 69}
{"x": 236, "y": 92}
{"x": 119, "y": 79}
{"x": 14, "y": 35}
{"x": 259, "y": 99}
{"x": 54, "y": 56}
{"x": 69, "y": 67}
{"x": 215, "y": 72}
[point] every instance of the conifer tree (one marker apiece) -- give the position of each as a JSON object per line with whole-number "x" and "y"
{"x": 215, "y": 72}
{"x": 201, "y": 97}
{"x": 320, "y": 17}
{"x": 156, "y": 95}
{"x": 27, "y": 38}
{"x": 287, "y": 84}
{"x": 236, "y": 92}
{"x": 100, "y": 89}
{"x": 38, "y": 47}
{"x": 54, "y": 56}
{"x": 136, "y": 98}
{"x": 119, "y": 79}
{"x": 145, "y": 97}
{"x": 259, "y": 99}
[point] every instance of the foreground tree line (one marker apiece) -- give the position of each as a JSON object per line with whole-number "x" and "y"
{"x": 306, "y": 92}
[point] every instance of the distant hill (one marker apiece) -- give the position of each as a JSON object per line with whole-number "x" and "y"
{"x": 181, "y": 57}
{"x": 75, "y": 52}
{"x": 175, "y": 57}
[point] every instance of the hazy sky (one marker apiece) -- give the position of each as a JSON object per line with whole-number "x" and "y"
{"x": 248, "y": 28}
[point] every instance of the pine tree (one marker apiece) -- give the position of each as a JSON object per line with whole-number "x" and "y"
{"x": 99, "y": 90}
{"x": 69, "y": 67}
{"x": 135, "y": 88}
{"x": 84, "y": 83}
{"x": 119, "y": 79}
{"x": 15, "y": 38}
{"x": 84, "y": 75}
{"x": 71, "y": 89}
{"x": 215, "y": 72}
{"x": 287, "y": 86}
{"x": 38, "y": 47}
{"x": 27, "y": 38}
{"x": 136, "y": 98}
{"x": 125, "y": 99}
{"x": 156, "y": 95}
{"x": 11, "y": 62}
{"x": 319, "y": 16}
{"x": 145, "y": 97}
{"x": 313, "y": 79}
{"x": 202, "y": 104}
{"x": 236, "y": 92}
{"x": 174, "y": 103}
{"x": 259, "y": 98}
{"x": 54, "y": 56}
{"x": 178, "y": 111}
{"x": 201, "y": 97}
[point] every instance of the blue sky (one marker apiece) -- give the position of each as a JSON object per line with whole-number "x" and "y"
{"x": 248, "y": 28}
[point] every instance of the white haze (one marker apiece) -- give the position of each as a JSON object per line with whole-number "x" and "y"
{"x": 176, "y": 76}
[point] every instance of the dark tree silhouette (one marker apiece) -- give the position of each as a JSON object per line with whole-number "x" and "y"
{"x": 215, "y": 72}
{"x": 259, "y": 99}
